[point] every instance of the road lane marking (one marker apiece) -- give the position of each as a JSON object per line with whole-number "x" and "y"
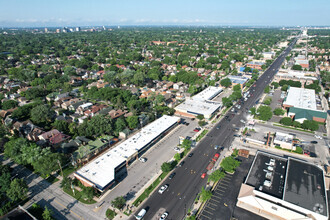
{"x": 68, "y": 209}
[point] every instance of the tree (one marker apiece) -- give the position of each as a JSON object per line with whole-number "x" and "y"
{"x": 286, "y": 121}
{"x": 296, "y": 124}
{"x": 62, "y": 125}
{"x": 310, "y": 125}
{"x": 278, "y": 111}
{"x": 216, "y": 176}
{"x": 284, "y": 87}
{"x": 201, "y": 123}
{"x": 47, "y": 164}
{"x": 267, "y": 101}
{"x": 111, "y": 214}
{"x": 237, "y": 87}
{"x": 229, "y": 164}
{"x": 18, "y": 190}
{"x": 87, "y": 193}
{"x": 227, "y": 102}
{"x": 47, "y": 214}
{"x": 4, "y": 178}
{"x": 42, "y": 114}
{"x": 205, "y": 195}
{"x": 166, "y": 167}
{"x": 9, "y": 104}
{"x": 200, "y": 117}
{"x": 253, "y": 111}
{"x": 247, "y": 70}
{"x": 186, "y": 144}
{"x": 66, "y": 183}
{"x": 275, "y": 84}
{"x": 267, "y": 89}
{"x": 120, "y": 124}
{"x": 177, "y": 156}
{"x": 226, "y": 82}
{"x": 132, "y": 121}
{"x": 264, "y": 113}
{"x": 296, "y": 67}
{"x": 119, "y": 202}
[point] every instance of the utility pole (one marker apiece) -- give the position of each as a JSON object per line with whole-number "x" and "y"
{"x": 60, "y": 167}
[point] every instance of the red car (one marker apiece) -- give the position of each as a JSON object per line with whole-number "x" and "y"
{"x": 196, "y": 130}
{"x": 203, "y": 175}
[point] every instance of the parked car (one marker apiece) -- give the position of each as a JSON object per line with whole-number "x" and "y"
{"x": 177, "y": 149}
{"x": 190, "y": 155}
{"x": 143, "y": 159}
{"x": 181, "y": 164}
{"x": 163, "y": 188}
{"x": 314, "y": 142}
{"x": 318, "y": 137}
{"x": 164, "y": 216}
{"x": 196, "y": 130}
{"x": 216, "y": 147}
{"x": 203, "y": 175}
{"x": 171, "y": 176}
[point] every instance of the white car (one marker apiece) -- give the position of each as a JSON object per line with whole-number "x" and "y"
{"x": 177, "y": 149}
{"x": 164, "y": 216}
{"x": 162, "y": 189}
{"x": 318, "y": 137}
{"x": 143, "y": 159}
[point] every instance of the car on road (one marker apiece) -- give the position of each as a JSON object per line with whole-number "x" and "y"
{"x": 171, "y": 176}
{"x": 164, "y": 216}
{"x": 143, "y": 159}
{"x": 219, "y": 126}
{"x": 163, "y": 188}
{"x": 242, "y": 121}
{"x": 314, "y": 142}
{"x": 226, "y": 117}
{"x": 203, "y": 175}
{"x": 177, "y": 149}
{"x": 190, "y": 155}
{"x": 216, "y": 147}
{"x": 181, "y": 164}
{"x": 141, "y": 214}
{"x": 187, "y": 123}
{"x": 237, "y": 135}
{"x": 318, "y": 137}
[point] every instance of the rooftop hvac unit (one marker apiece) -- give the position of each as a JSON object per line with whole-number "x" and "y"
{"x": 268, "y": 175}
{"x": 267, "y": 183}
{"x": 270, "y": 168}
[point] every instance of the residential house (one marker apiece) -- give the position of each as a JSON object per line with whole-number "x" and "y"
{"x": 83, "y": 107}
{"x": 67, "y": 104}
{"x": 94, "y": 109}
{"x": 117, "y": 113}
{"x": 74, "y": 106}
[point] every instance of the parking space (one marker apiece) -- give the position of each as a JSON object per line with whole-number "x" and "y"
{"x": 222, "y": 204}
{"x": 225, "y": 93}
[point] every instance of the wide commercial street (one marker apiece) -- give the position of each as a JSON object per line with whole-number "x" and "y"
{"x": 184, "y": 188}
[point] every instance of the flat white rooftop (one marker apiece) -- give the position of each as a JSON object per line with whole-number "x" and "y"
{"x": 301, "y": 98}
{"x": 296, "y": 74}
{"x": 282, "y": 137}
{"x": 101, "y": 171}
{"x": 205, "y": 108}
{"x": 207, "y": 94}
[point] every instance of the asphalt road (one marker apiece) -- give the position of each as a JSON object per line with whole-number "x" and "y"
{"x": 187, "y": 183}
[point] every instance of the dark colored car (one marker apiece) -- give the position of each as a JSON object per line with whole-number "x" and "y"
{"x": 171, "y": 176}
{"x": 314, "y": 142}
{"x": 190, "y": 155}
{"x": 181, "y": 164}
{"x": 218, "y": 127}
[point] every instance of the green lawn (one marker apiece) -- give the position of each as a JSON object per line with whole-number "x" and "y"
{"x": 77, "y": 196}
{"x": 202, "y": 135}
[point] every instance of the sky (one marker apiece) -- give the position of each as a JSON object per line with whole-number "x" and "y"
{"x": 60, "y": 13}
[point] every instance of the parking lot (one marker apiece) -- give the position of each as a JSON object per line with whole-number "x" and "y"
{"x": 224, "y": 93}
{"x": 140, "y": 173}
{"x": 222, "y": 204}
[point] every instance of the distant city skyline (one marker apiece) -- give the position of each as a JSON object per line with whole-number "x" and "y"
{"x": 40, "y": 13}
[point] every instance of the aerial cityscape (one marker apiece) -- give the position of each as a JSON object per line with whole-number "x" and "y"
{"x": 176, "y": 110}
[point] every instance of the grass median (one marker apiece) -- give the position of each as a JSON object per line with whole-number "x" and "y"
{"x": 147, "y": 191}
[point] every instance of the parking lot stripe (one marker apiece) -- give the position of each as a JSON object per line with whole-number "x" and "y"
{"x": 205, "y": 216}
{"x": 216, "y": 197}
{"x": 214, "y": 200}
{"x": 208, "y": 212}
{"x": 217, "y": 193}
{"x": 225, "y": 181}
{"x": 225, "y": 184}
{"x": 212, "y": 204}
{"x": 208, "y": 207}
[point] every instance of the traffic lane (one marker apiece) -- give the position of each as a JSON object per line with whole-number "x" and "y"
{"x": 181, "y": 184}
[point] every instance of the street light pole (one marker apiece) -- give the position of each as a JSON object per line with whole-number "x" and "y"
{"x": 60, "y": 167}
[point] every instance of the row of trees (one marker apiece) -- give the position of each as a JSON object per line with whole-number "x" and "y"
{"x": 307, "y": 124}
{"x": 43, "y": 160}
